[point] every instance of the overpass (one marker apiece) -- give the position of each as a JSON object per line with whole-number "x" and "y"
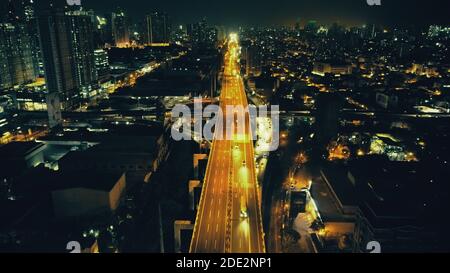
{"x": 229, "y": 216}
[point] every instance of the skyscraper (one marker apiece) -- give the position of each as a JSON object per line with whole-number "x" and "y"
{"x": 16, "y": 59}
{"x": 221, "y": 34}
{"x": 311, "y": 27}
{"x": 29, "y": 17}
{"x": 202, "y": 35}
{"x": 157, "y": 28}
{"x": 56, "y": 45}
{"x": 198, "y": 32}
{"x": 68, "y": 53}
{"x": 82, "y": 41}
{"x": 120, "y": 29}
{"x": 102, "y": 33}
{"x": 5, "y": 75}
{"x": 298, "y": 24}
{"x": 253, "y": 62}
{"x": 179, "y": 35}
{"x": 11, "y": 15}
{"x": 28, "y": 10}
{"x": 327, "y": 121}
{"x": 102, "y": 64}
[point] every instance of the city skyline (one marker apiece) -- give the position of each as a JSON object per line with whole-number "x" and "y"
{"x": 284, "y": 12}
{"x": 267, "y": 12}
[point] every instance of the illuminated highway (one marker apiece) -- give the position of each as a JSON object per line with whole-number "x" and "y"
{"x": 229, "y": 217}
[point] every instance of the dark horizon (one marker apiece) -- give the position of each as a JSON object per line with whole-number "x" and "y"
{"x": 265, "y": 12}
{"x": 262, "y": 13}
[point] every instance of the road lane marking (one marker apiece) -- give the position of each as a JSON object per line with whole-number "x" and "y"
{"x": 233, "y": 87}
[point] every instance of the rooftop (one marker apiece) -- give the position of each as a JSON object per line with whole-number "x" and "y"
{"x": 40, "y": 180}
{"x": 107, "y": 133}
{"x": 17, "y": 150}
{"x": 392, "y": 193}
{"x": 96, "y": 180}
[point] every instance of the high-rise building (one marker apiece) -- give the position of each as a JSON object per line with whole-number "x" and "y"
{"x": 157, "y": 28}
{"x": 253, "y": 60}
{"x": 179, "y": 35}
{"x": 221, "y": 34}
{"x": 311, "y": 27}
{"x": 102, "y": 33}
{"x": 298, "y": 24}
{"x": 212, "y": 36}
{"x": 102, "y": 64}
{"x": 28, "y": 10}
{"x": 197, "y": 32}
{"x": 120, "y": 29}
{"x": 5, "y": 77}
{"x": 68, "y": 53}
{"x": 29, "y": 18}
{"x": 82, "y": 41}
{"x": 56, "y": 45}
{"x": 11, "y": 14}
{"x": 203, "y": 35}
{"x": 327, "y": 121}
{"x": 16, "y": 59}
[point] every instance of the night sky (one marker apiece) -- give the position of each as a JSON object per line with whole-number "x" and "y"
{"x": 264, "y": 12}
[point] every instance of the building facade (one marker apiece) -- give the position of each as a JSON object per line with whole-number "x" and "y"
{"x": 120, "y": 29}
{"x": 157, "y": 28}
{"x": 16, "y": 58}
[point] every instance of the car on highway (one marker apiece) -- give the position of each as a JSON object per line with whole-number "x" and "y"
{"x": 244, "y": 213}
{"x": 244, "y": 163}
